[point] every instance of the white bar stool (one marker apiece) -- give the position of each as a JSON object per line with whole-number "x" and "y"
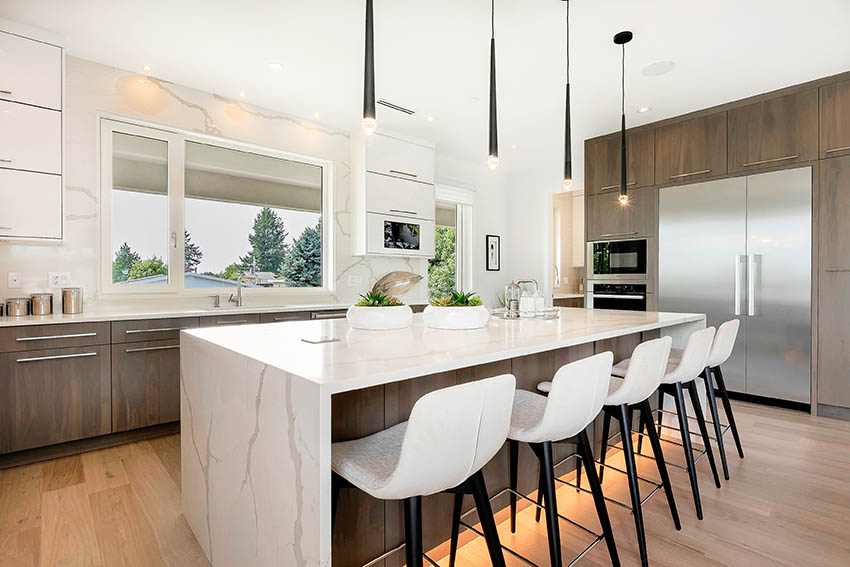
{"x": 677, "y": 377}
{"x": 577, "y": 393}
{"x": 451, "y": 434}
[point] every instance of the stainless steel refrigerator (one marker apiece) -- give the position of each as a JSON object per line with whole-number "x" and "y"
{"x": 742, "y": 248}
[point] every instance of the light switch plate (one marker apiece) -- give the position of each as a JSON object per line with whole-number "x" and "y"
{"x": 355, "y": 281}
{"x": 14, "y": 280}
{"x": 56, "y": 280}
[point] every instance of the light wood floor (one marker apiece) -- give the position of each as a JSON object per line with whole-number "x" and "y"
{"x": 787, "y": 504}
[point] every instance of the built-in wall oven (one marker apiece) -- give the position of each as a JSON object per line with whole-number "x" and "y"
{"x": 617, "y": 259}
{"x": 623, "y": 297}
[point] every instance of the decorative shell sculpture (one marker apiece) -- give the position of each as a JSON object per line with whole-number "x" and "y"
{"x": 396, "y": 283}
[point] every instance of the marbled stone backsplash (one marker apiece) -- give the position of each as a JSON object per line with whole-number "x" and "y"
{"x": 92, "y": 89}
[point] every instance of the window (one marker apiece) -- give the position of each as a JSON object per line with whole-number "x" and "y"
{"x": 241, "y": 210}
{"x": 451, "y": 267}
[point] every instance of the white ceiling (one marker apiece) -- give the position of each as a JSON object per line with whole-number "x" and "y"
{"x": 433, "y": 57}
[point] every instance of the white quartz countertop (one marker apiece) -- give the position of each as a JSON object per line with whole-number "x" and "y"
{"x": 130, "y": 313}
{"x": 360, "y": 359}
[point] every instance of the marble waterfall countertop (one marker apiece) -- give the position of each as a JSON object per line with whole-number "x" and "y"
{"x": 359, "y": 359}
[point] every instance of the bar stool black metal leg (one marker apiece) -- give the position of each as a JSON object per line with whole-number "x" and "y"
{"x": 413, "y": 531}
{"x": 634, "y": 489}
{"x": 584, "y": 449}
{"x": 655, "y": 443}
{"x": 686, "y": 444}
{"x": 703, "y": 429}
{"x": 456, "y": 512}
{"x": 547, "y": 471}
{"x": 578, "y": 472}
{"x": 715, "y": 417}
{"x": 539, "y": 510}
{"x": 640, "y": 437}
{"x": 603, "y": 452}
{"x": 488, "y": 522}
{"x": 513, "y": 448}
{"x": 660, "y": 416}
{"x": 727, "y": 407}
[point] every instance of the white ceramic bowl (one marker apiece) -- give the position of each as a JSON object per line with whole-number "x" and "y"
{"x": 456, "y": 318}
{"x": 379, "y": 318}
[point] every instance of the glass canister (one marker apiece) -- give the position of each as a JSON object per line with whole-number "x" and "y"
{"x": 512, "y": 296}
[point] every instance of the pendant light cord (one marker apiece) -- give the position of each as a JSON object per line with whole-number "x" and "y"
{"x": 492, "y": 19}
{"x": 568, "y": 41}
{"x": 623, "y": 76}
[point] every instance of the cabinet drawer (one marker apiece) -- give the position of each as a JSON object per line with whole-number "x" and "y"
{"x": 835, "y": 120}
{"x": 399, "y": 158}
{"x": 30, "y": 71}
{"x": 691, "y": 149}
{"x": 145, "y": 384}
{"x": 329, "y": 314}
{"x": 53, "y": 396}
{"x": 774, "y": 132}
{"x": 602, "y": 162}
{"x": 399, "y": 197}
{"x": 36, "y": 337}
{"x": 285, "y": 316}
{"x": 222, "y": 320}
{"x": 151, "y": 329}
{"x": 32, "y": 205}
{"x": 32, "y": 138}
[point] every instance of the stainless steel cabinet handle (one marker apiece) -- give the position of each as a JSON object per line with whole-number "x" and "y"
{"x": 56, "y": 357}
{"x": 4, "y": 160}
{"x": 146, "y": 349}
{"x": 829, "y": 151}
{"x": 769, "y": 160}
{"x": 617, "y": 186}
{"x": 229, "y": 322}
{"x": 618, "y": 234}
{"x": 403, "y": 173}
{"x": 161, "y": 330}
{"x": 5, "y": 92}
{"x": 52, "y": 337}
{"x": 752, "y": 308}
{"x": 403, "y": 211}
{"x": 327, "y": 315}
{"x": 680, "y": 175}
{"x": 739, "y": 271}
{"x": 5, "y": 228}
{"x": 615, "y": 296}
{"x": 290, "y": 318}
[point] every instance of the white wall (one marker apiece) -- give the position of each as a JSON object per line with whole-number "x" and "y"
{"x": 93, "y": 88}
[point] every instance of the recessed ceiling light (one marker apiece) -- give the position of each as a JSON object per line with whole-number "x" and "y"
{"x": 241, "y": 94}
{"x": 643, "y": 109}
{"x": 658, "y": 68}
{"x": 431, "y": 118}
{"x": 514, "y": 147}
{"x": 275, "y": 66}
{"x": 146, "y": 68}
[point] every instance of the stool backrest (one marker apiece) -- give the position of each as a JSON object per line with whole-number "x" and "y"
{"x": 694, "y": 357}
{"x": 724, "y": 342}
{"x": 646, "y": 369}
{"x": 578, "y": 392}
{"x": 451, "y": 434}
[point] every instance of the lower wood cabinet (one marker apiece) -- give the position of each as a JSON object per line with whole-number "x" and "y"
{"x": 145, "y": 384}
{"x": 53, "y": 396}
{"x": 569, "y": 302}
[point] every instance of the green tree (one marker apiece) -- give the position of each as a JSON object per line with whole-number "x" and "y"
{"x": 268, "y": 243}
{"x": 153, "y": 266}
{"x": 231, "y": 272}
{"x": 441, "y": 268}
{"x": 302, "y": 266}
{"x": 192, "y": 253}
{"x": 124, "y": 260}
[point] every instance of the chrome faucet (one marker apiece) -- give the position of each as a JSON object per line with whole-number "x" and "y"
{"x": 238, "y": 299}
{"x": 532, "y": 280}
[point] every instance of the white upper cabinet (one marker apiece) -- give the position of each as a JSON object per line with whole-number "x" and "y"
{"x": 386, "y": 194}
{"x": 32, "y": 205}
{"x": 30, "y": 71}
{"x": 399, "y": 158}
{"x": 32, "y": 138}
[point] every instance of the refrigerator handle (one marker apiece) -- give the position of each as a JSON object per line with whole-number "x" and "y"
{"x": 739, "y": 272}
{"x": 751, "y": 284}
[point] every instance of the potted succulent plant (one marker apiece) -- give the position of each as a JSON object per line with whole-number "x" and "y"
{"x": 459, "y": 310}
{"x": 376, "y": 311}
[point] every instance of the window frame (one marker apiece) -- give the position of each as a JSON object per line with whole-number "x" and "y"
{"x": 176, "y": 139}
{"x": 464, "y": 203}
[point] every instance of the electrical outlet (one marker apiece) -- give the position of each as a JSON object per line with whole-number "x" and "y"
{"x": 55, "y": 280}
{"x": 355, "y": 281}
{"x": 14, "y": 280}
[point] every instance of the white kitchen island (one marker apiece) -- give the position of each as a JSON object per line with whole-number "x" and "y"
{"x": 257, "y": 420}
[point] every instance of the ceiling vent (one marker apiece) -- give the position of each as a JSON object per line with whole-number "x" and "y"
{"x": 393, "y": 106}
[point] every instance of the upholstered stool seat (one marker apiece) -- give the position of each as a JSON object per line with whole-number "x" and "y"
{"x": 370, "y": 462}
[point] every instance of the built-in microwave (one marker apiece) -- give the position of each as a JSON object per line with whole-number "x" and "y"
{"x": 396, "y": 235}
{"x": 617, "y": 259}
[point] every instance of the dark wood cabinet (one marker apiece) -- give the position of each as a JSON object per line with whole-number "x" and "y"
{"x": 774, "y": 132}
{"x": 835, "y": 120}
{"x": 284, "y": 316}
{"x": 568, "y": 302}
{"x": 834, "y": 214}
{"x": 232, "y": 319}
{"x": 602, "y": 162}
{"x": 329, "y": 314}
{"x": 151, "y": 329}
{"x": 53, "y": 396}
{"x": 607, "y": 219}
{"x": 691, "y": 149}
{"x": 145, "y": 384}
{"x": 36, "y": 337}
{"x": 834, "y": 338}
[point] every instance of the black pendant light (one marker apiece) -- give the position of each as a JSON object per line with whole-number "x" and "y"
{"x": 370, "y": 123}
{"x": 493, "y": 155}
{"x": 568, "y": 154}
{"x": 622, "y": 39}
